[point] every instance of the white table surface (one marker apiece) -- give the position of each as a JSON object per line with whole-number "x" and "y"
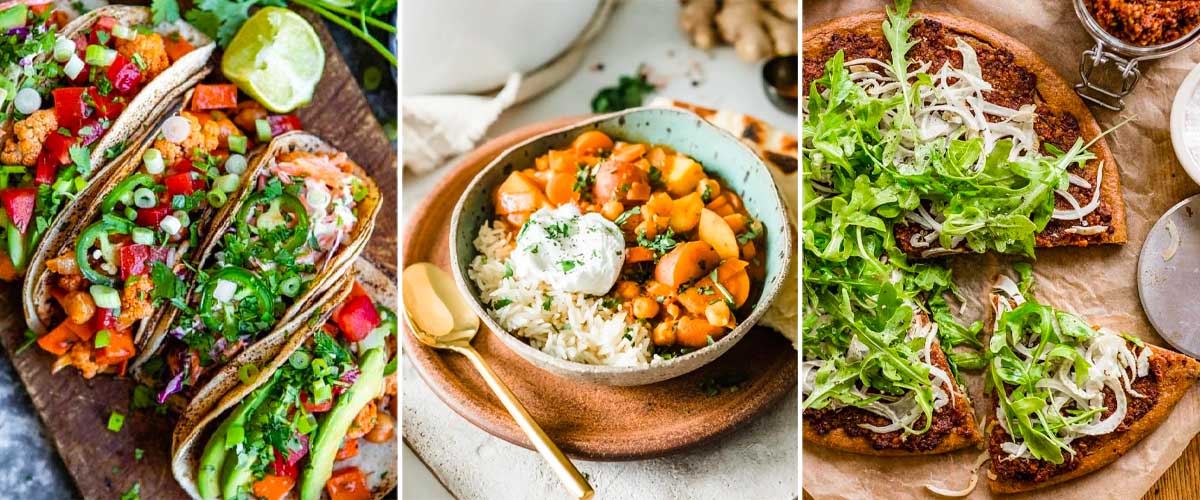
{"x": 758, "y": 461}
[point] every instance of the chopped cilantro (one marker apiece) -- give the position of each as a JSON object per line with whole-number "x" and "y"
{"x": 567, "y": 265}
{"x": 501, "y": 303}
{"x": 627, "y": 214}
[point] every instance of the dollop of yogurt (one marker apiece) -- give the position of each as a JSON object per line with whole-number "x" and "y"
{"x": 569, "y": 251}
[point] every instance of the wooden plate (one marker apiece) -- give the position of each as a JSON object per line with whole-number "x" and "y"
{"x": 75, "y": 411}
{"x": 590, "y": 421}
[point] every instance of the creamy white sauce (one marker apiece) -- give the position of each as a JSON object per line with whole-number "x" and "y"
{"x": 569, "y": 252}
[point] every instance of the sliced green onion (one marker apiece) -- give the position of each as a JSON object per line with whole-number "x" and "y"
{"x": 263, "y": 128}
{"x": 143, "y": 236}
{"x": 126, "y": 198}
{"x": 115, "y": 421}
{"x": 216, "y": 198}
{"x": 144, "y": 198}
{"x": 73, "y": 67}
{"x": 105, "y": 296}
{"x": 247, "y": 373}
{"x": 184, "y": 218}
{"x": 299, "y": 360}
{"x": 321, "y": 391}
{"x": 290, "y": 287}
{"x": 319, "y": 366}
{"x": 64, "y": 48}
{"x": 123, "y": 32}
{"x": 130, "y": 213}
{"x": 99, "y": 55}
{"x": 153, "y": 160}
{"x": 3, "y": 95}
{"x": 229, "y": 182}
{"x": 306, "y": 423}
{"x": 103, "y": 337}
{"x": 237, "y": 144}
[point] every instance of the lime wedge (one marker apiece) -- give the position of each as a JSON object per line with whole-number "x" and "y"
{"x": 276, "y": 58}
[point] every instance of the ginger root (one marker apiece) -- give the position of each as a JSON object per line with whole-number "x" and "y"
{"x": 757, "y": 29}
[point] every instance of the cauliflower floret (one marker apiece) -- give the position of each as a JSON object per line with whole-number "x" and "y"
{"x": 135, "y": 301}
{"x": 25, "y": 144}
{"x": 206, "y": 137}
{"x": 152, "y": 51}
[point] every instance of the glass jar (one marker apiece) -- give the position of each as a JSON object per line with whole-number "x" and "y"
{"x": 1119, "y": 55}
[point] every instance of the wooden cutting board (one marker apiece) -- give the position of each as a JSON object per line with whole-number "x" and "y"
{"x": 591, "y": 421}
{"x": 75, "y": 411}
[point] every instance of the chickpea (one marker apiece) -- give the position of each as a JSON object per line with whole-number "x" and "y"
{"x": 717, "y": 313}
{"x": 645, "y": 307}
{"x": 712, "y": 187}
{"x": 628, "y": 290}
{"x": 663, "y": 334}
{"x": 612, "y": 209}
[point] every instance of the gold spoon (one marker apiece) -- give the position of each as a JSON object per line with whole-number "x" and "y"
{"x": 439, "y": 317}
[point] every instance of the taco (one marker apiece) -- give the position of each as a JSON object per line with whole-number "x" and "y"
{"x": 94, "y": 290}
{"x": 303, "y": 215}
{"x": 316, "y": 420}
{"x": 109, "y": 76}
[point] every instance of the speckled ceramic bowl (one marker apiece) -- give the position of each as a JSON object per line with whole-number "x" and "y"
{"x": 721, "y": 154}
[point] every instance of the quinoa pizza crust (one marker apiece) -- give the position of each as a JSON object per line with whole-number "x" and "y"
{"x": 1019, "y": 77}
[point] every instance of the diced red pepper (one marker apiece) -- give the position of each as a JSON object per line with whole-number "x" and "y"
{"x": 214, "y": 96}
{"x": 119, "y": 349}
{"x": 348, "y": 484}
{"x": 104, "y": 319}
{"x": 107, "y": 106}
{"x": 180, "y": 183}
{"x": 186, "y": 166}
{"x": 150, "y": 217}
{"x": 58, "y": 148}
{"x": 124, "y": 74}
{"x": 357, "y": 317}
{"x": 46, "y": 169}
{"x": 321, "y": 407}
{"x": 283, "y": 123}
{"x": 137, "y": 259}
{"x": 18, "y": 203}
{"x": 69, "y": 106}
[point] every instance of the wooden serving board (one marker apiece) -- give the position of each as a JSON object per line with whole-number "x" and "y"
{"x": 590, "y": 421}
{"x": 75, "y": 411}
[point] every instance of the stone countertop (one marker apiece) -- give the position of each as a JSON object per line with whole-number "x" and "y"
{"x": 30, "y": 469}
{"x": 757, "y": 461}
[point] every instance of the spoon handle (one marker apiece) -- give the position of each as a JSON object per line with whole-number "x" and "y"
{"x": 566, "y": 471}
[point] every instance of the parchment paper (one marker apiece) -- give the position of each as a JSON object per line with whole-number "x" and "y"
{"x": 1099, "y": 283}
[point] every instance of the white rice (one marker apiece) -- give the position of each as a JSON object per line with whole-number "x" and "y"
{"x": 571, "y": 326}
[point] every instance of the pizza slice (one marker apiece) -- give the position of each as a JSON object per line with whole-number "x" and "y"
{"x": 1069, "y": 398}
{"x": 844, "y": 413}
{"x": 985, "y": 86}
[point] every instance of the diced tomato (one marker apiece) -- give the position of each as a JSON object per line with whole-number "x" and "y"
{"x": 283, "y": 123}
{"x": 349, "y": 449}
{"x": 119, "y": 349}
{"x": 104, "y": 319}
{"x": 104, "y": 24}
{"x": 69, "y": 107}
{"x": 348, "y": 484}
{"x": 186, "y": 166}
{"x": 46, "y": 169}
{"x": 282, "y": 467}
{"x": 137, "y": 259}
{"x": 272, "y": 487}
{"x": 180, "y": 183}
{"x": 214, "y": 96}
{"x": 58, "y": 340}
{"x": 19, "y": 203}
{"x": 321, "y": 407}
{"x": 357, "y": 317}
{"x": 124, "y": 74}
{"x": 358, "y": 290}
{"x": 107, "y": 106}
{"x": 150, "y": 217}
{"x": 177, "y": 46}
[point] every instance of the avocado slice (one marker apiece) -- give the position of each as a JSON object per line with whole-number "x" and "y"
{"x": 212, "y": 461}
{"x": 336, "y": 423}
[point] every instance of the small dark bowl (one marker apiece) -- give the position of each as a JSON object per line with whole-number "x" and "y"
{"x": 781, "y": 82}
